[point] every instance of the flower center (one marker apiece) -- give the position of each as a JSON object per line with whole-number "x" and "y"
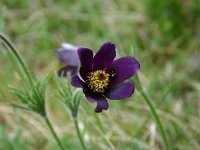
{"x": 98, "y": 81}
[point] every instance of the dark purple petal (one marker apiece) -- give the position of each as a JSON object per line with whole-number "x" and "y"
{"x": 89, "y": 95}
{"x": 76, "y": 81}
{"x": 120, "y": 91}
{"x": 89, "y": 98}
{"x": 123, "y": 68}
{"x": 67, "y": 69}
{"x": 102, "y": 103}
{"x": 104, "y": 56}
{"x": 68, "y": 55}
{"x": 85, "y": 56}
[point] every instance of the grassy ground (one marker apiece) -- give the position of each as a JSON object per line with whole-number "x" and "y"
{"x": 163, "y": 35}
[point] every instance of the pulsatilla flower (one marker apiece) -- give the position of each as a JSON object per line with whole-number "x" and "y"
{"x": 102, "y": 78}
{"x": 68, "y": 55}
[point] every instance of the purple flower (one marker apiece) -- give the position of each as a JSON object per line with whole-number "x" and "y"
{"x": 68, "y": 55}
{"x": 102, "y": 77}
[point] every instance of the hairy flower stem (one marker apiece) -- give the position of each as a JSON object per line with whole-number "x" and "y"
{"x": 79, "y": 133}
{"x": 154, "y": 113}
{"x": 30, "y": 80}
{"x": 16, "y": 54}
{"x": 54, "y": 133}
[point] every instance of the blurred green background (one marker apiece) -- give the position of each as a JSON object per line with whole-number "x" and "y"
{"x": 163, "y": 34}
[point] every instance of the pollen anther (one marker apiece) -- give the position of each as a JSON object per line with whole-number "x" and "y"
{"x": 98, "y": 81}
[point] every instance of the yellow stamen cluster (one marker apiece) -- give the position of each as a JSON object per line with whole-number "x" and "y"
{"x": 98, "y": 81}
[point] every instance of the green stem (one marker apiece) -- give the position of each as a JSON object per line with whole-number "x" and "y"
{"x": 99, "y": 123}
{"x": 21, "y": 62}
{"x": 107, "y": 140}
{"x": 54, "y": 133}
{"x": 154, "y": 113}
{"x": 102, "y": 131}
{"x": 145, "y": 122}
{"x": 153, "y": 110}
{"x": 79, "y": 134}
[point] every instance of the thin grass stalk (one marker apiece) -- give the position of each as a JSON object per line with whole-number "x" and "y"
{"x": 155, "y": 115}
{"x": 102, "y": 131}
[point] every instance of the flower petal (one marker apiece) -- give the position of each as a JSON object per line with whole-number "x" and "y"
{"x": 67, "y": 69}
{"x": 89, "y": 95}
{"x": 123, "y": 68}
{"x": 102, "y": 103}
{"x": 85, "y": 56}
{"x": 120, "y": 91}
{"x": 104, "y": 56}
{"x": 89, "y": 98}
{"x": 69, "y": 46}
{"x": 68, "y": 55}
{"x": 76, "y": 81}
